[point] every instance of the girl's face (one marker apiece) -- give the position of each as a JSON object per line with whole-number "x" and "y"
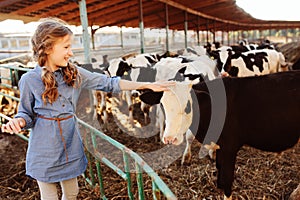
{"x": 58, "y": 56}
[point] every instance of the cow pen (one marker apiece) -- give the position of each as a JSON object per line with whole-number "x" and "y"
{"x": 259, "y": 175}
{"x": 95, "y": 156}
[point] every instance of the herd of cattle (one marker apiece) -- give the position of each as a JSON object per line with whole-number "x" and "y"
{"x": 256, "y": 101}
{"x": 225, "y": 98}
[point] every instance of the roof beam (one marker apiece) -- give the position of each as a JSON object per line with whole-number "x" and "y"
{"x": 100, "y": 11}
{"x": 35, "y": 6}
{"x": 60, "y": 9}
{"x": 123, "y": 12}
{"x": 131, "y": 12}
{"x": 8, "y": 2}
{"x": 192, "y": 11}
{"x": 120, "y": 10}
{"x": 25, "y": 19}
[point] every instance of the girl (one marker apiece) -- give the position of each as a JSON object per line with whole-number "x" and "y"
{"x": 48, "y": 95}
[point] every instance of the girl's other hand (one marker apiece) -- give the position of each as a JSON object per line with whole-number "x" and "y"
{"x": 13, "y": 126}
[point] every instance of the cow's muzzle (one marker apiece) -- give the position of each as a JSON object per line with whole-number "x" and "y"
{"x": 170, "y": 140}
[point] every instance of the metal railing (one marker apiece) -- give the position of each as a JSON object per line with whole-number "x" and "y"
{"x": 13, "y": 77}
{"x": 141, "y": 167}
{"x": 95, "y": 157}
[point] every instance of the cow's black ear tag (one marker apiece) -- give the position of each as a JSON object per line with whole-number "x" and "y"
{"x": 150, "y": 97}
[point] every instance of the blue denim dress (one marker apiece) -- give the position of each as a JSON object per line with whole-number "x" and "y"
{"x": 49, "y": 158}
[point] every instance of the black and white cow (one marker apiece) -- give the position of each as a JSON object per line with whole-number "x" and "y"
{"x": 261, "y": 111}
{"x": 187, "y": 69}
{"x": 250, "y": 63}
{"x": 117, "y": 63}
{"x": 135, "y": 67}
{"x": 240, "y": 61}
{"x": 182, "y": 68}
{"x": 244, "y": 45}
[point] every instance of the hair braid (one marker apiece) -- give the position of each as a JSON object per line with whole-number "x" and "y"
{"x": 50, "y": 93}
{"x": 71, "y": 75}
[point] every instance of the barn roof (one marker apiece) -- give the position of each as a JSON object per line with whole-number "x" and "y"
{"x": 200, "y": 14}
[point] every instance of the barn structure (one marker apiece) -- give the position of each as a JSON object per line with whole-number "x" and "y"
{"x": 203, "y": 15}
{"x": 195, "y": 15}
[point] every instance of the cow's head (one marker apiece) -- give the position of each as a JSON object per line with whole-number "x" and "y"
{"x": 118, "y": 67}
{"x": 223, "y": 57}
{"x": 177, "y": 105}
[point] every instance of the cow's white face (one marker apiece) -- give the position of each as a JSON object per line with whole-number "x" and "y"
{"x": 177, "y": 104}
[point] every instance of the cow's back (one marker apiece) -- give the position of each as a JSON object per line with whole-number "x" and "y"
{"x": 267, "y": 110}
{"x": 262, "y": 111}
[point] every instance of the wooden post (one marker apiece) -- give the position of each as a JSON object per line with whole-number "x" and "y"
{"x": 167, "y": 28}
{"x": 121, "y": 37}
{"x": 185, "y": 29}
{"x": 85, "y": 33}
{"x": 198, "y": 29}
{"x": 141, "y": 26}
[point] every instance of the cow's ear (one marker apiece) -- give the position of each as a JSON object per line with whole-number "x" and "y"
{"x": 150, "y": 97}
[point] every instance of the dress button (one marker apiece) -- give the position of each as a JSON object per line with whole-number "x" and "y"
{"x": 63, "y": 105}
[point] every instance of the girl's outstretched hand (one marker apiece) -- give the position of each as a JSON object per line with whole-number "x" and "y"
{"x": 155, "y": 86}
{"x": 160, "y": 85}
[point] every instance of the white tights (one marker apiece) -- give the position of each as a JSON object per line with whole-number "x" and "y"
{"x": 69, "y": 187}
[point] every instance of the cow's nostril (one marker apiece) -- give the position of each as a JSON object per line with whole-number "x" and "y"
{"x": 166, "y": 140}
{"x": 175, "y": 140}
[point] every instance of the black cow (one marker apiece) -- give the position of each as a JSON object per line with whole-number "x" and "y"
{"x": 296, "y": 65}
{"x": 262, "y": 112}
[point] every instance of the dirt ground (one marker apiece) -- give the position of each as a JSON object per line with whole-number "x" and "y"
{"x": 258, "y": 175}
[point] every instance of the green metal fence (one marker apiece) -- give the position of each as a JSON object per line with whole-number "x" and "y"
{"x": 95, "y": 157}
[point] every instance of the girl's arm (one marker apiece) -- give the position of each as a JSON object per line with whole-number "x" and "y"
{"x": 155, "y": 86}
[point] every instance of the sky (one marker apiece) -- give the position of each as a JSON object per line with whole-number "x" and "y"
{"x": 271, "y": 9}
{"x": 260, "y": 9}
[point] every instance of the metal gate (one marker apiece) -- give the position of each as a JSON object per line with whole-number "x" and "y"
{"x": 95, "y": 157}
